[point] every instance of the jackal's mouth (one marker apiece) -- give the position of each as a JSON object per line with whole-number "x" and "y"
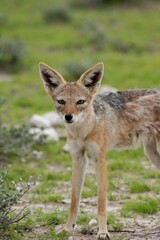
{"x": 69, "y": 118}
{"x": 69, "y": 121}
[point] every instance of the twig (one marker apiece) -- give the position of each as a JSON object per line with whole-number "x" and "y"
{"x": 23, "y": 209}
{"x": 45, "y": 224}
{"x": 129, "y": 231}
{"x": 23, "y": 216}
{"x": 156, "y": 197}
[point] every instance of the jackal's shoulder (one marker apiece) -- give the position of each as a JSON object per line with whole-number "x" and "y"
{"x": 119, "y": 99}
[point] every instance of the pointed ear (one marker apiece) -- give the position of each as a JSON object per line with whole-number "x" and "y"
{"x": 52, "y": 80}
{"x": 91, "y": 79}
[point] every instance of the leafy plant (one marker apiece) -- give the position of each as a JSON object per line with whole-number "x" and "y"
{"x": 3, "y": 19}
{"x": 88, "y": 3}
{"x": 15, "y": 141}
{"x": 96, "y": 34}
{"x": 11, "y": 54}
{"x": 57, "y": 14}
{"x": 10, "y": 194}
{"x": 2, "y": 100}
{"x": 75, "y": 69}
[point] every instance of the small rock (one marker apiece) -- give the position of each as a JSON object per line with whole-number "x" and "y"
{"x": 51, "y": 134}
{"x": 39, "y": 121}
{"x": 53, "y": 118}
{"x": 105, "y": 88}
{"x": 66, "y": 148}
{"x": 37, "y": 154}
{"x": 70, "y": 238}
{"x": 92, "y": 222}
{"x": 66, "y": 201}
{"x": 36, "y": 132}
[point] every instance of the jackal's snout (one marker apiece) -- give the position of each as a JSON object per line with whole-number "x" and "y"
{"x": 68, "y": 118}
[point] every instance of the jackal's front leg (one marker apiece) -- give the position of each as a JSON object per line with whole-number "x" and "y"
{"x": 78, "y": 173}
{"x": 102, "y": 188}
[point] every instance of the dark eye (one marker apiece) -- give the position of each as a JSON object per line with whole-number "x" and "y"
{"x": 61, "y": 101}
{"x": 80, "y": 101}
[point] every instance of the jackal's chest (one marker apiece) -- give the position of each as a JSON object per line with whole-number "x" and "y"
{"x": 78, "y": 147}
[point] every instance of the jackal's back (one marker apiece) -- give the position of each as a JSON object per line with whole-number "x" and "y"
{"x": 120, "y": 99}
{"x": 129, "y": 116}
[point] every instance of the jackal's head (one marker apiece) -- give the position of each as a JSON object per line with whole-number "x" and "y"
{"x": 72, "y": 99}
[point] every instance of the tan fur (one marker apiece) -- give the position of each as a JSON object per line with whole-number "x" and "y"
{"x": 96, "y": 123}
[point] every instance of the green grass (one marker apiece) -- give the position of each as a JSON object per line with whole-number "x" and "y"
{"x": 139, "y": 187}
{"x": 152, "y": 174}
{"x": 114, "y": 222}
{"x": 46, "y": 198}
{"x": 83, "y": 218}
{"x": 129, "y": 47}
{"x": 143, "y": 206}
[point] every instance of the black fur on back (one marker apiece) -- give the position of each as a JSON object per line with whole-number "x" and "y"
{"x": 119, "y": 99}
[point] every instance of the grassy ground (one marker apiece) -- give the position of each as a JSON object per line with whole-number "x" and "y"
{"x": 126, "y": 39}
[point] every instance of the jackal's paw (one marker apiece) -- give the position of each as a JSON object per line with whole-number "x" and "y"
{"x": 67, "y": 230}
{"x": 63, "y": 232}
{"x": 103, "y": 236}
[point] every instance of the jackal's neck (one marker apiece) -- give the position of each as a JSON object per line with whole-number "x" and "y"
{"x": 82, "y": 128}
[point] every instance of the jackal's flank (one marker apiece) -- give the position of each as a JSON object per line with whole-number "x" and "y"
{"x": 95, "y": 123}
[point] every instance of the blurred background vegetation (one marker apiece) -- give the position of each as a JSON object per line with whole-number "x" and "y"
{"x": 71, "y": 36}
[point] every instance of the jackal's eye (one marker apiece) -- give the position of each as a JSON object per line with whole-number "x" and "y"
{"x": 80, "y": 102}
{"x": 61, "y": 101}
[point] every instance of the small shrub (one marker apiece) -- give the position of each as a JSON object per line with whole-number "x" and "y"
{"x": 11, "y": 54}
{"x": 104, "y": 3}
{"x": 88, "y": 3}
{"x": 10, "y": 194}
{"x": 75, "y": 69}
{"x": 95, "y": 34}
{"x": 127, "y": 47}
{"x": 54, "y": 218}
{"x": 2, "y": 100}
{"x": 57, "y": 14}
{"x": 3, "y": 19}
{"x": 15, "y": 141}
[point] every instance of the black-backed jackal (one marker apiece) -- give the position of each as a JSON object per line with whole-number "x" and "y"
{"x": 97, "y": 122}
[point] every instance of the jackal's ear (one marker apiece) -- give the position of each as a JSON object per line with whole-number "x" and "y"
{"x": 91, "y": 79}
{"x": 52, "y": 80}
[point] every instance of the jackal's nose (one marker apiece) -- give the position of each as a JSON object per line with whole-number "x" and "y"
{"x": 68, "y": 118}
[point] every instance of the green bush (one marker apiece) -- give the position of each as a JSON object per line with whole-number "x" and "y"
{"x": 15, "y": 141}
{"x": 2, "y": 100}
{"x": 102, "y": 3}
{"x": 95, "y": 34}
{"x": 10, "y": 194}
{"x": 88, "y": 3}
{"x": 57, "y": 14}
{"x": 3, "y": 19}
{"x": 11, "y": 54}
{"x": 75, "y": 69}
